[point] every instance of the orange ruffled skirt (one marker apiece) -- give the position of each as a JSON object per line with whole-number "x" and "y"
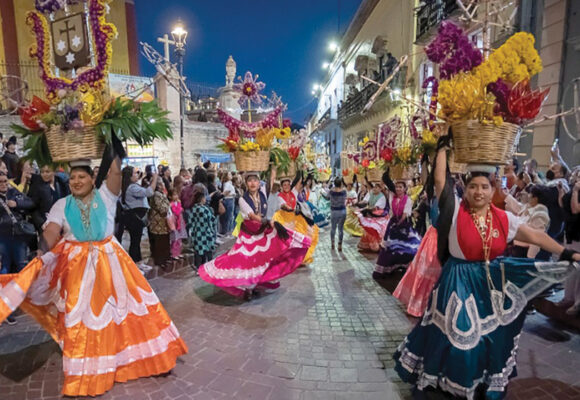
{"x": 100, "y": 309}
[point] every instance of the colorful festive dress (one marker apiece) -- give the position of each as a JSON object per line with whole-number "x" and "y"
{"x": 95, "y": 303}
{"x": 307, "y": 200}
{"x": 352, "y": 225}
{"x": 373, "y": 220}
{"x": 298, "y": 220}
{"x": 417, "y": 284}
{"x": 401, "y": 241}
{"x": 260, "y": 257}
{"x": 469, "y": 333}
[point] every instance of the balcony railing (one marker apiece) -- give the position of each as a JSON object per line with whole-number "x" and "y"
{"x": 355, "y": 104}
{"x": 430, "y": 16}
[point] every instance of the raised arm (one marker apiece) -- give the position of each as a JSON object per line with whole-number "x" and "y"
{"x": 114, "y": 177}
{"x": 574, "y": 200}
{"x": 440, "y": 173}
{"x": 388, "y": 181}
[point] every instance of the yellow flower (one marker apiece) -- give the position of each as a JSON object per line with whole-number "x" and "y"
{"x": 283, "y": 134}
{"x": 264, "y": 137}
{"x": 372, "y": 165}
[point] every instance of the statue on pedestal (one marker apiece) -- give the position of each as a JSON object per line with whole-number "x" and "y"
{"x": 228, "y": 99}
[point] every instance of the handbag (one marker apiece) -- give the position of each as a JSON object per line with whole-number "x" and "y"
{"x": 19, "y": 228}
{"x": 221, "y": 208}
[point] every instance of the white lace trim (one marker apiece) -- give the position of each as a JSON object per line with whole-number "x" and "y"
{"x": 234, "y": 273}
{"x": 496, "y": 382}
{"x": 241, "y": 248}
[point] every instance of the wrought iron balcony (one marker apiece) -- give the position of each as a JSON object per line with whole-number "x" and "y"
{"x": 430, "y": 15}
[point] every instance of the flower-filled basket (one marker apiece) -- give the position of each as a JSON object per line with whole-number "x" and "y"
{"x": 258, "y": 160}
{"x": 375, "y": 174}
{"x": 401, "y": 172}
{"x": 485, "y": 100}
{"x": 79, "y": 143}
{"x": 477, "y": 143}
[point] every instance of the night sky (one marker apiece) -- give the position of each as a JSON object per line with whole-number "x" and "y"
{"x": 284, "y": 41}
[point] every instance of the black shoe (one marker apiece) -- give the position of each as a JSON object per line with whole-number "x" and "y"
{"x": 11, "y": 320}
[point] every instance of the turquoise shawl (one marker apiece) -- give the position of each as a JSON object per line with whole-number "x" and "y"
{"x": 98, "y": 219}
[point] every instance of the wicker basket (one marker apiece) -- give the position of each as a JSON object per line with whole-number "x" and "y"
{"x": 375, "y": 174}
{"x": 347, "y": 179}
{"x": 290, "y": 173}
{"x": 75, "y": 144}
{"x": 476, "y": 143}
{"x": 401, "y": 173}
{"x": 252, "y": 160}
{"x": 455, "y": 167}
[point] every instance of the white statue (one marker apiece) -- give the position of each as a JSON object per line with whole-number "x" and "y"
{"x": 230, "y": 72}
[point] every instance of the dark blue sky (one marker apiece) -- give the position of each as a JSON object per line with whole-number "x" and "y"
{"x": 284, "y": 41}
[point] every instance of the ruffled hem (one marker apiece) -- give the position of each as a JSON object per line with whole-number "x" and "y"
{"x": 410, "y": 368}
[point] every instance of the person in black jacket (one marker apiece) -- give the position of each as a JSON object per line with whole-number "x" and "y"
{"x": 10, "y": 157}
{"x": 12, "y": 248}
{"x": 45, "y": 190}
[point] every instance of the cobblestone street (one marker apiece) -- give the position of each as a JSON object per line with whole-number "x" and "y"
{"x": 328, "y": 333}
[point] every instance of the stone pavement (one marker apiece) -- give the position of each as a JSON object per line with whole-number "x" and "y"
{"x": 328, "y": 333}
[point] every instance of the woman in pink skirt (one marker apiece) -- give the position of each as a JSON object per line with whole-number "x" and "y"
{"x": 263, "y": 253}
{"x": 416, "y": 285}
{"x": 373, "y": 218}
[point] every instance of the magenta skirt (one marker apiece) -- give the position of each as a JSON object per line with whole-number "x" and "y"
{"x": 257, "y": 258}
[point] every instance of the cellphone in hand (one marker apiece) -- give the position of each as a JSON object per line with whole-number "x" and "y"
{"x": 504, "y": 182}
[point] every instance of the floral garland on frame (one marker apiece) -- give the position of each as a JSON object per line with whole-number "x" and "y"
{"x": 103, "y": 33}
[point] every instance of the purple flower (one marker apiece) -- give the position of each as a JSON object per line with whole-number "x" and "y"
{"x": 453, "y": 50}
{"x": 249, "y": 89}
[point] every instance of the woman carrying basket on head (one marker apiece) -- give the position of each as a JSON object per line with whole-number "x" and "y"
{"x": 467, "y": 340}
{"x": 90, "y": 296}
{"x": 263, "y": 253}
{"x": 295, "y": 215}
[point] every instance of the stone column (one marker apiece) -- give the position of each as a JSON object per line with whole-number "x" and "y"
{"x": 551, "y": 51}
{"x": 169, "y": 150}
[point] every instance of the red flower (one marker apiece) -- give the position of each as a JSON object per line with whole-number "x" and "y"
{"x": 356, "y": 170}
{"x": 525, "y": 103}
{"x": 345, "y": 172}
{"x": 31, "y": 113}
{"x": 294, "y": 152}
{"x": 365, "y": 163}
{"x": 387, "y": 154}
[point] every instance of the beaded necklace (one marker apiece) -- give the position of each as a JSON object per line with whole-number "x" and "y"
{"x": 487, "y": 233}
{"x": 85, "y": 209}
{"x": 257, "y": 203}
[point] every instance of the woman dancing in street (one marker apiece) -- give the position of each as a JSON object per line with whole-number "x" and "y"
{"x": 296, "y": 216}
{"x": 467, "y": 340}
{"x": 263, "y": 253}
{"x": 373, "y": 218}
{"x": 401, "y": 241}
{"x": 90, "y": 296}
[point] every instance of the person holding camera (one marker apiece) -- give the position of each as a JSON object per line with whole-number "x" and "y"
{"x": 135, "y": 207}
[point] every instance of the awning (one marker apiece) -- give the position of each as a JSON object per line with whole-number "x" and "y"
{"x": 216, "y": 157}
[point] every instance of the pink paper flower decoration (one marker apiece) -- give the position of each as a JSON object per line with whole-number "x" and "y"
{"x": 249, "y": 89}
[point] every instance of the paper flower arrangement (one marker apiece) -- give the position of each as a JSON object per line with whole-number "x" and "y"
{"x": 473, "y": 88}
{"x": 249, "y": 89}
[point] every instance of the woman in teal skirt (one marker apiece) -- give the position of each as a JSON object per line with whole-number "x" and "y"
{"x": 467, "y": 340}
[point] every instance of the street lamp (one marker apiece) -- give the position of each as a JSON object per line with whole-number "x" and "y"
{"x": 179, "y": 36}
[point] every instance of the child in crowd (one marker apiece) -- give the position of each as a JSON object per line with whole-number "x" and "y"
{"x": 179, "y": 232}
{"x": 201, "y": 220}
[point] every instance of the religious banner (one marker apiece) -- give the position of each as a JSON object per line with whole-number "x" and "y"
{"x": 70, "y": 42}
{"x": 137, "y": 88}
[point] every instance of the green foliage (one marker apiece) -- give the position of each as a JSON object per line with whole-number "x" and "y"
{"x": 281, "y": 159}
{"x": 35, "y": 146}
{"x": 133, "y": 121}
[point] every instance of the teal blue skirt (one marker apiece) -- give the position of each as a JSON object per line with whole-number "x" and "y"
{"x": 468, "y": 337}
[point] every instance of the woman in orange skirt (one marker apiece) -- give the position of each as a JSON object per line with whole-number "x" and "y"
{"x": 91, "y": 297}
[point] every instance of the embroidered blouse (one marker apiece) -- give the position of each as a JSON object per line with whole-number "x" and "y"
{"x": 464, "y": 239}
{"x": 57, "y": 214}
